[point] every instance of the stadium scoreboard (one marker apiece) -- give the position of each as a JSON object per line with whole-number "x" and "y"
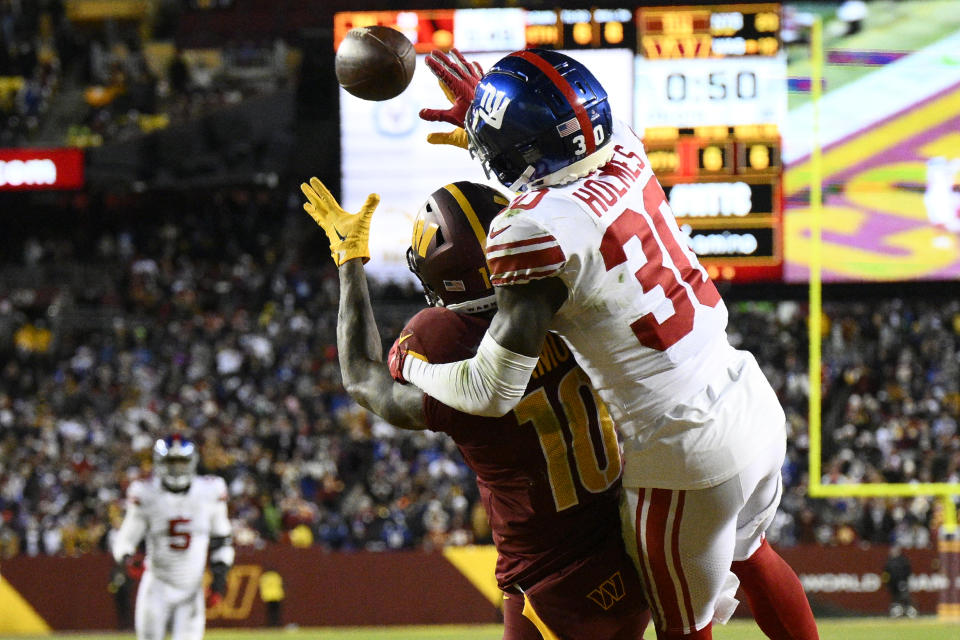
{"x": 508, "y": 29}
{"x": 710, "y": 86}
{"x": 707, "y": 94}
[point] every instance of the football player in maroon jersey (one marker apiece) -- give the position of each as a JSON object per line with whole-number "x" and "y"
{"x": 548, "y": 471}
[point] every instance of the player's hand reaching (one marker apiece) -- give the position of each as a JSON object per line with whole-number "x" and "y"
{"x": 349, "y": 233}
{"x": 459, "y": 79}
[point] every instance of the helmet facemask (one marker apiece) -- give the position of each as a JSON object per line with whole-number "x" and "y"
{"x": 175, "y": 462}
{"x": 431, "y": 296}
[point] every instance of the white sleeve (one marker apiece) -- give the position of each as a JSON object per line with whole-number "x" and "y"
{"x": 132, "y": 529}
{"x": 489, "y": 384}
{"x": 520, "y": 249}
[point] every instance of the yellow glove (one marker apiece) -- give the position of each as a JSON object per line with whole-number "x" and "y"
{"x": 457, "y": 137}
{"x": 349, "y": 233}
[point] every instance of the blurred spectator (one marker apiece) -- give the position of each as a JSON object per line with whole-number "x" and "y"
{"x": 31, "y": 36}
{"x": 896, "y": 575}
{"x": 272, "y": 594}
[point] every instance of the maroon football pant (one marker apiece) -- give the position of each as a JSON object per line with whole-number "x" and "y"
{"x": 596, "y": 598}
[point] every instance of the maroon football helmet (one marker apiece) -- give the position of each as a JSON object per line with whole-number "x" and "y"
{"x": 447, "y": 248}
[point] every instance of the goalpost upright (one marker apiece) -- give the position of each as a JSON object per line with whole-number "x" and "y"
{"x": 949, "y": 539}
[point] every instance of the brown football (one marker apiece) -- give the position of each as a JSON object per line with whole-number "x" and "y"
{"x": 375, "y": 63}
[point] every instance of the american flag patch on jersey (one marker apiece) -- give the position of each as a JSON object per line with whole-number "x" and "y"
{"x": 568, "y": 127}
{"x": 454, "y": 285}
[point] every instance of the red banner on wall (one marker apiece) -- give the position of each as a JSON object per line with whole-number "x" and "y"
{"x": 31, "y": 169}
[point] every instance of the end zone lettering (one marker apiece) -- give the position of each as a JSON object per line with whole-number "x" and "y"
{"x": 29, "y": 169}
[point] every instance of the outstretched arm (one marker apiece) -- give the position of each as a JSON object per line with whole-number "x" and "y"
{"x": 493, "y": 381}
{"x": 365, "y": 374}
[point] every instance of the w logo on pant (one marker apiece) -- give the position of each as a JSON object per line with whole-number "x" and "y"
{"x": 610, "y": 592}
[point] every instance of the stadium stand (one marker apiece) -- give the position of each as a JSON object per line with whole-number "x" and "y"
{"x": 69, "y": 79}
{"x": 214, "y": 314}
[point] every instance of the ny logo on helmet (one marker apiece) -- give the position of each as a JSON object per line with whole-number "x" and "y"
{"x": 493, "y": 104}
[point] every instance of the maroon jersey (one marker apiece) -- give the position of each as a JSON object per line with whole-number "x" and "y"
{"x": 548, "y": 471}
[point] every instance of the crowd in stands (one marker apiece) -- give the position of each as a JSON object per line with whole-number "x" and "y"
{"x": 215, "y": 316}
{"x": 131, "y": 93}
{"x": 891, "y": 403}
{"x": 32, "y": 37}
{"x": 117, "y": 83}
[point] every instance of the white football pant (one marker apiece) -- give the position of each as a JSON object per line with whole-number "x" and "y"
{"x": 162, "y": 607}
{"x": 688, "y": 539}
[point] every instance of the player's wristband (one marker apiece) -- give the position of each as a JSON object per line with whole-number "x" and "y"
{"x": 488, "y": 384}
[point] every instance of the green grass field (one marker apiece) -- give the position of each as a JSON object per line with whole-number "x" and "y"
{"x": 830, "y": 629}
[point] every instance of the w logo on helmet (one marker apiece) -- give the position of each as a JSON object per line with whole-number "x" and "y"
{"x": 493, "y": 104}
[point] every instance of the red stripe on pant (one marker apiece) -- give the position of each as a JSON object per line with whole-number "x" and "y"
{"x": 645, "y": 576}
{"x": 673, "y": 595}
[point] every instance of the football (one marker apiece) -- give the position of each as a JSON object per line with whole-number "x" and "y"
{"x": 375, "y": 63}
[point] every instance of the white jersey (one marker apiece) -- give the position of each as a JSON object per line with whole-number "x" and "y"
{"x": 177, "y": 528}
{"x": 642, "y": 316}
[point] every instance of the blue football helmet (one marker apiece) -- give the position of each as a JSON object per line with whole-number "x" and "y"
{"x": 175, "y": 461}
{"x": 539, "y": 118}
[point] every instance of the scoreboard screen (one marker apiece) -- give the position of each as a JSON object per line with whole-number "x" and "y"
{"x": 709, "y": 32}
{"x": 500, "y": 30}
{"x": 710, "y": 98}
{"x": 704, "y": 86}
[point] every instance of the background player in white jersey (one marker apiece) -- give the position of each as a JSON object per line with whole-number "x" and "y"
{"x": 591, "y": 250}
{"x": 183, "y": 518}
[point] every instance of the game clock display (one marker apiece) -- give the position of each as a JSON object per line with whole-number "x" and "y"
{"x": 709, "y": 91}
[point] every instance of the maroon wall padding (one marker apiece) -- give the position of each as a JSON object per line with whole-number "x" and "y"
{"x": 322, "y": 589}
{"x": 68, "y": 593}
{"x": 362, "y": 588}
{"x": 846, "y": 580}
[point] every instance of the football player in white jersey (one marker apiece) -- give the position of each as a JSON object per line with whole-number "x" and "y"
{"x": 183, "y": 518}
{"x": 590, "y": 249}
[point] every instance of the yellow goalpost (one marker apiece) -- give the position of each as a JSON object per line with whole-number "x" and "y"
{"x": 949, "y": 539}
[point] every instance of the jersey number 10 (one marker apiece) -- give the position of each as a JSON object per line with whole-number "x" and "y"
{"x": 596, "y": 471}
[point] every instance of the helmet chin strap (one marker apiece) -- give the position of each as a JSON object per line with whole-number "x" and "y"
{"x": 522, "y": 183}
{"x": 577, "y": 170}
{"x": 475, "y": 306}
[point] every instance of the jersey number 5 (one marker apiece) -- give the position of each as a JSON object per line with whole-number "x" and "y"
{"x": 656, "y": 238}
{"x": 179, "y": 539}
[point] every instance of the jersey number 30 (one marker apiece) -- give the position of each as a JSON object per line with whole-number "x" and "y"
{"x": 656, "y": 238}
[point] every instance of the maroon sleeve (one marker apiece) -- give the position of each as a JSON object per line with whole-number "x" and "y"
{"x": 439, "y": 335}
